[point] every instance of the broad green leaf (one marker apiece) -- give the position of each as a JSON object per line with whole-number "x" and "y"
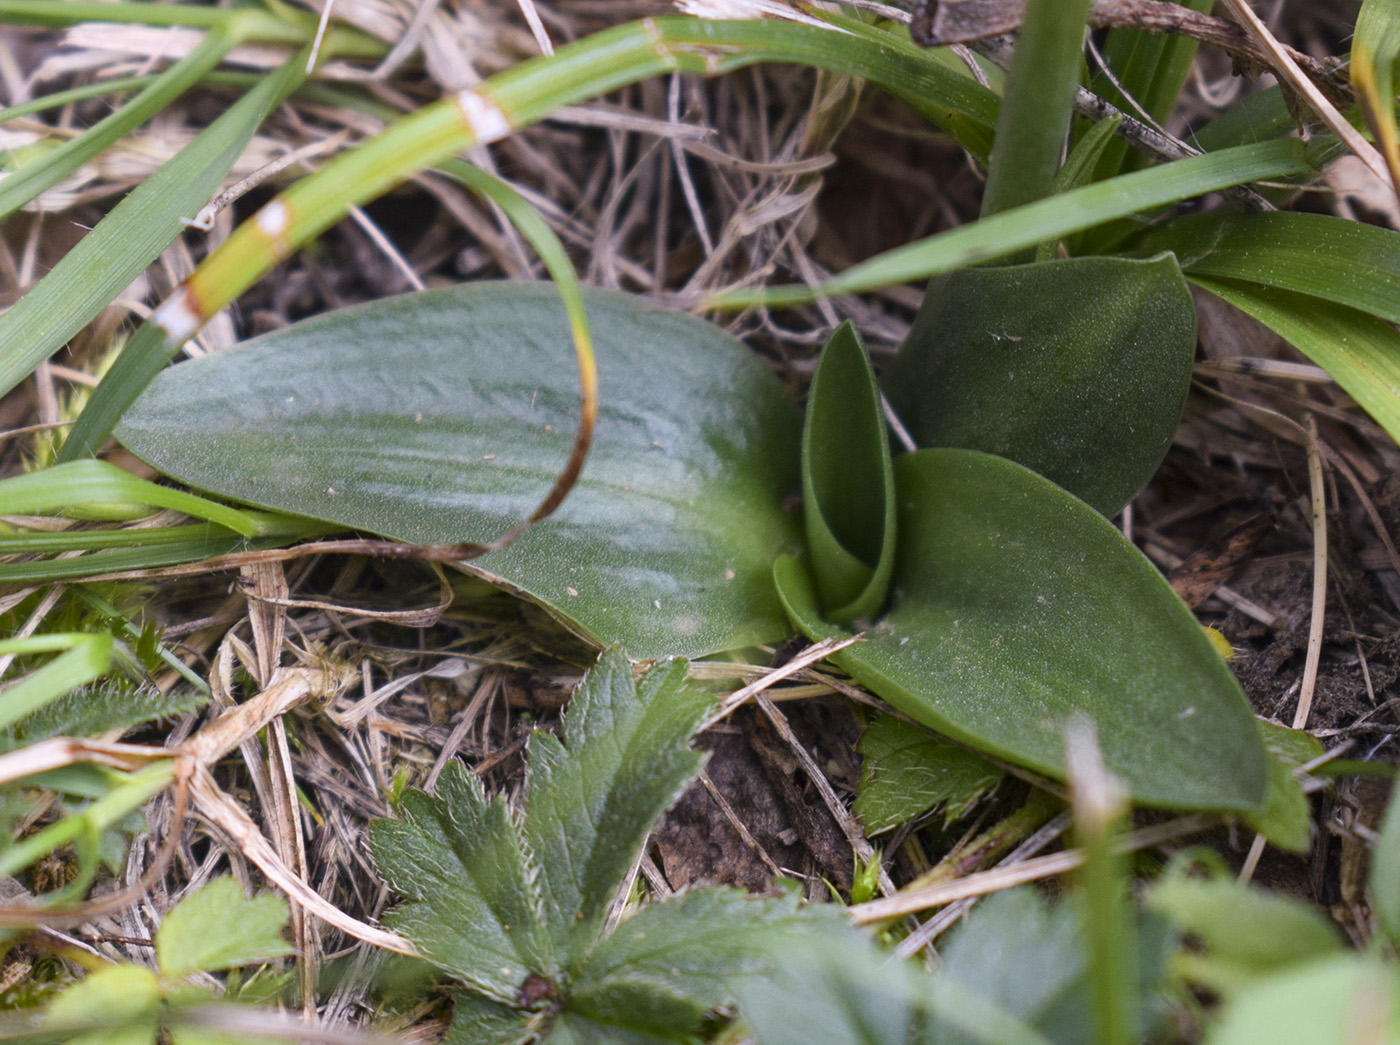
{"x": 1247, "y": 934}
{"x": 1286, "y": 820}
{"x": 1359, "y": 351}
{"x": 1384, "y": 872}
{"x": 474, "y": 907}
{"x": 1345, "y": 262}
{"x": 847, "y": 483}
{"x": 1342, "y": 1000}
{"x": 595, "y": 794}
{"x": 1077, "y": 369}
{"x": 665, "y": 543}
{"x": 908, "y": 771}
{"x": 123, "y": 1000}
{"x": 216, "y": 928}
{"x": 1019, "y": 606}
{"x": 671, "y": 962}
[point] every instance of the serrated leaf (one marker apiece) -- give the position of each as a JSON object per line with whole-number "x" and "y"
{"x": 594, "y": 796}
{"x": 474, "y": 907}
{"x": 1246, "y": 933}
{"x": 847, "y": 483}
{"x": 100, "y": 707}
{"x": 477, "y": 1020}
{"x": 908, "y": 771}
{"x": 842, "y": 988}
{"x": 1286, "y": 820}
{"x": 215, "y": 928}
{"x": 664, "y": 545}
{"x": 1019, "y": 606}
{"x": 668, "y": 964}
{"x": 1075, "y": 368}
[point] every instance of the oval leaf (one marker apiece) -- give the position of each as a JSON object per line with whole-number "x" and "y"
{"x": 441, "y": 417}
{"x": 1075, "y": 368}
{"x": 1017, "y": 607}
{"x": 847, "y": 483}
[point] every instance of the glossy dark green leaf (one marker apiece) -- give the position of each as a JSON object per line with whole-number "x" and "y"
{"x": 908, "y": 771}
{"x": 847, "y": 482}
{"x": 1075, "y": 368}
{"x": 1018, "y": 606}
{"x": 473, "y": 908}
{"x": 444, "y": 416}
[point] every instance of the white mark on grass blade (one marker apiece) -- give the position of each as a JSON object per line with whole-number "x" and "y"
{"x": 741, "y": 10}
{"x": 483, "y": 116}
{"x": 178, "y": 316}
{"x": 273, "y": 221}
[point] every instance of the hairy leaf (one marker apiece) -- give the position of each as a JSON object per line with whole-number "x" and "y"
{"x": 595, "y": 795}
{"x": 215, "y": 928}
{"x": 908, "y": 771}
{"x": 474, "y": 907}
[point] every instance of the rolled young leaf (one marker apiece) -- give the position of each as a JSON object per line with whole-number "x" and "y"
{"x": 1018, "y": 606}
{"x": 847, "y": 483}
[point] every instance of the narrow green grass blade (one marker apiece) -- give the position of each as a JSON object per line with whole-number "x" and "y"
{"x": 521, "y": 95}
{"x": 1361, "y": 352}
{"x": 88, "y": 656}
{"x": 1152, "y": 68}
{"x": 1346, "y": 262}
{"x": 72, "y": 486}
{"x": 121, "y": 246}
{"x": 136, "y": 789}
{"x": 1023, "y": 227}
{"x": 122, "y": 560}
{"x": 1037, "y": 106}
{"x": 1374, "y": 53}
{"x": 29, "y": 181}
{"x": 92, "y": 540}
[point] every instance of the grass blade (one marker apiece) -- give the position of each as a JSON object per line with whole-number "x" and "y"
{"x": 1049, "y": 219}
{"x": 33, "y": 178}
